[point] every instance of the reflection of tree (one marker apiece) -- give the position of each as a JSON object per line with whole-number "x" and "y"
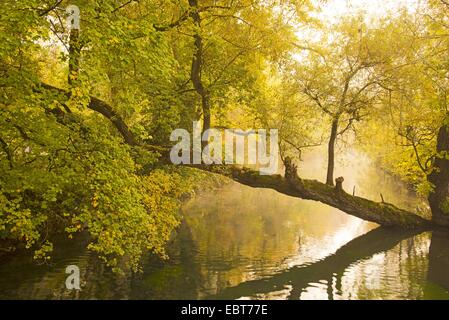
{"x": 241, "y": 225}
{"x": 376, "y": 241}
{"x": 438, "y": 276}
{"x": 399, "y": 273}
{"x": 27, "y": 280}
{"x": 162, "y": 279}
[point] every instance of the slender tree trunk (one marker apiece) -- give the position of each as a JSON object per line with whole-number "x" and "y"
{"x": 206, "y": 112}
{"x": 439, "y": 177}
{"x": 197, "y": 64}
{"x": 331, "y": 153}
{"x": 74, "y": 56}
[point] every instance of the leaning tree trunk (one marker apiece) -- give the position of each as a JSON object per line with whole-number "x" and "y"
{"x": 331, "y": 153}
{"x": 291, "y": 184}
{"x": 439, "y": 197}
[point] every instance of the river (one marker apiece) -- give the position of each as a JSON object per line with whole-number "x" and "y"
{"x": 243, "y": 243}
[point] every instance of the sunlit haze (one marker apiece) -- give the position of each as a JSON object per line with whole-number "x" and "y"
{"x": 335, "y": 9}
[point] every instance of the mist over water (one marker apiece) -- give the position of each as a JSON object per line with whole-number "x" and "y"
{"x": 246, "y": 243}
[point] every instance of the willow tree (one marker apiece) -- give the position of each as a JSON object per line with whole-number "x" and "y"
{"x": 341, "y": 78}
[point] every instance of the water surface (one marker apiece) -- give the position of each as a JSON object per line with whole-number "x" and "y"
{"x": 245, "y": 243}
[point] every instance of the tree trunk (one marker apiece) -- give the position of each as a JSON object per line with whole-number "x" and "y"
{"x": 206, "y": 112}
{"x": 439, "y": 177}
{"x": 197, "y": 64}
{"x": 381, "y": 213}
{"x": 331, "y": 153}
{"x": 104, "y": 109}
{"x": 74, "y": 56}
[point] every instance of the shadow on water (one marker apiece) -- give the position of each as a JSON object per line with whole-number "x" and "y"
{"x": 437, "y": 285}
{"x": 333, "y": 266}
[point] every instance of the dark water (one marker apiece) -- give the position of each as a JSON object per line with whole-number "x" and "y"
{"x": 243, "y": 243}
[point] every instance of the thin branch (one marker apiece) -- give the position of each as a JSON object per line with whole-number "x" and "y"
{"x": 307, "y": 48}
{"x": 51, "y": 8}
{"x": 123, "y": 5}
{"x": 6, "y": 149}
{"x": 299, "y": 148}
{"x": 418, "y": 158}
{"x": 317, "y": 100}
{"x": 53, "y": 29}
{"x": 227, "y": 66}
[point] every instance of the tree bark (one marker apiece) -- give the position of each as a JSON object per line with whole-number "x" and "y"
{"x": 104, "y": 109}
{"x": 384, "y": 214}
{"x": 74, "y": 56}
{"x": 439, "y": 177}
{"x": 331, "y": 153}
{"x": 197, "y": 64}
{"x": 339, "y": 184}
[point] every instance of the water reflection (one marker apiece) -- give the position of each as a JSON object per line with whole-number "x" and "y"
{"x": 244, "y": 243}
{"x": 437, "y": 284}
{"x": 340, "y": 275}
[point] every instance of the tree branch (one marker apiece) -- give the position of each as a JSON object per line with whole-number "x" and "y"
{"x": 381, "y": 213}
{"x": 6, "y": 149}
